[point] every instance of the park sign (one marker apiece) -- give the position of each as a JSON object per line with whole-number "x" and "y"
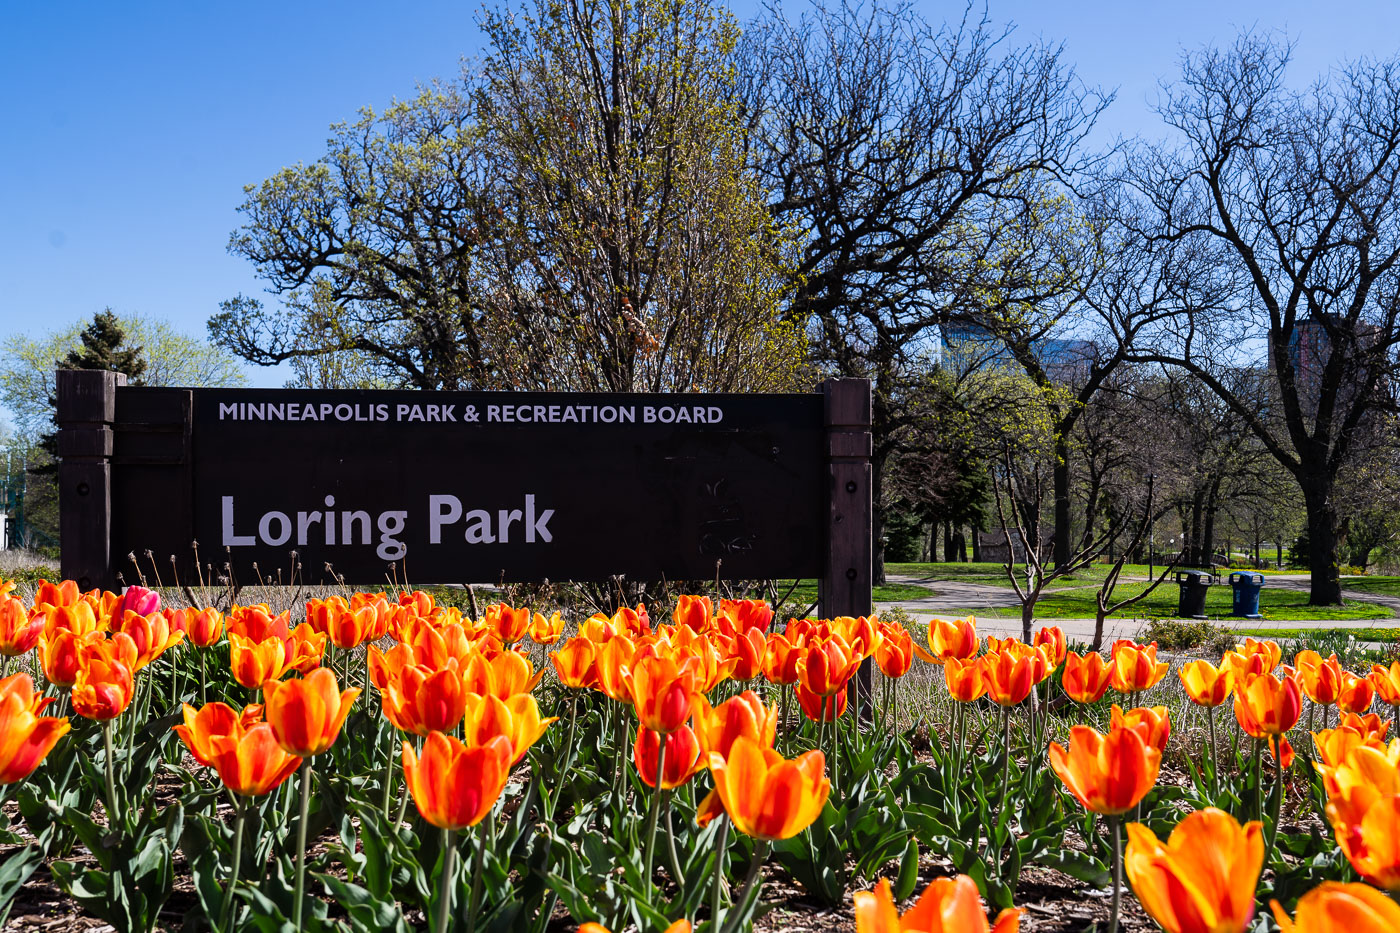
{"x": 380, "y": 487}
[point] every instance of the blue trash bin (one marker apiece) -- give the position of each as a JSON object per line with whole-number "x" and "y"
{"x": 1247, "y": 585}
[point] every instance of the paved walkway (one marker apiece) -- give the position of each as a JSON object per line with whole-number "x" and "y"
{"x": 954, "y": 596}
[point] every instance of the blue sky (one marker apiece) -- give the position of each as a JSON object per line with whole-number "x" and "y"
{"x": 131, "y": 128}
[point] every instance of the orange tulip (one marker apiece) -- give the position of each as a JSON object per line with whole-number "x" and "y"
{"x": 250, "y": 762}
{"x": 1356, "y": 694}
{"x": 1386, "y": 680}
{"x": 26, "y": 738}
{"x": 682, "y": 756}
{"x": 717, "y": 727}
{"x": 895, "y": 655}
{"x": 1086, "y": 679}
{"x": 1333, "y": 907}
{"x": 18, "y": 632}
{"x": 1203, "y": 879}
{"x": 693, "y": 612}
{"x": 204, "y": 627}
{"x": 1320, "y": 680}
{"x": 1012, "y": 672}
{"x": 948, "y": 905}
{"x": 512, "y": 673}
{"x": 151, "y": 634}
{"x": 421, "y": 700}
{"x": 78, "y": 619}
{"x": 305, "y": 649}
{"x": 257, "y": 623}
{"x": 820, "y": 708}
{"x": 966, "y": 678}
{"x": 780, "y": 660}
{"x": 614, "y": 659}
{"x": 508, "y": 623}
{"x": 742, "y": 615}
{"x": 1266, "y": 706}
{"x": 950, "y": 638}
{"x": 824, "y": 667}
{"x": 749, "y": 650}
{"x": 575, "y": 663}
{"x": 347, "y": 628}
{"x": 1108, "y": 774}
{"x": 306, "y": 714}
{"x": 1152, "y": 723}
{"x": 385, "y": 666}
{"x": 1363, "y": 806}
{"x": 1052, "y": 637}
{"x": 55, "y": 595}
{"x": 256, "y": 663}
{"x": 765, "y": 795}
{"x": 662, "y": 692}
{"x": 680, "y": 926}
{"x": 1135, "y": 667}
{"x": 105, "y": 685}
{"x": 211, "y": 721}
{"x": 455, "y": 786}
{"x": 1256, "y": 657}
{"x": 60, "y": 655}
{"x": 321, "y": 612}
{"x": 1206, "y": 684}
{"x": 517, "y": 718}
{"x": 544, "y": 631}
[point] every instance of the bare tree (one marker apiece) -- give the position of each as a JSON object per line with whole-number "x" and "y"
{"x": 910, "y": 159}
{"x": 1292, "y": 200}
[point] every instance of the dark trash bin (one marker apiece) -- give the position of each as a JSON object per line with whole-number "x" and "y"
{"x": 1195, "y": 584}
{"x": 1247, "y": 585}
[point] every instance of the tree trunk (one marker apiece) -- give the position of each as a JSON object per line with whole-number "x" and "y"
{"x": 961, "y": 542}
{"x": 976, "y": 544}
{"x": 948, "y": 541}
{"x": 1326, "y": 589}
{"x": 1063, "y": 551}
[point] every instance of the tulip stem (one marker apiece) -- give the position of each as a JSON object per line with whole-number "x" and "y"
{"x": 1258, "y": 779}
{"x": 655, "y": 813}
{"x": 1276, "y": 808}
{"x": 388, "y": 779}
{"x": 447, "y": 884}
{"x": 760, "y": 855}
{"x": 111, "y": 775}
{"x": 226, "y": 914}
{"x": 677, "y": 873}
{"x": 300, "y": 897}
{"x": 203, "y": 682}
{"x": 1006, "y": 751}
{"x": 477, "y": 869}
{"x": 717, "y": 886}
{"x": 1116, "y": 821}
{"x": 1214, "y": 756}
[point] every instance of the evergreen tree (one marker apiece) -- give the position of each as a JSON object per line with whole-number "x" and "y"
{"x": 102, "y": 348}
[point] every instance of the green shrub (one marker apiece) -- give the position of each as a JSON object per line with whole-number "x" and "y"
{"x": 1180, "y": 635}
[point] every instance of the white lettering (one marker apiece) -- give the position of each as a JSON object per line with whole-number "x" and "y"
{"x": 391, "y": 524}
{"x": 285, "y": 527}
{"x": 231, "y": 539}
{"x": 537, "y": 526}
{"x": 479, "y": 527}
{"x": 440, "y": 516}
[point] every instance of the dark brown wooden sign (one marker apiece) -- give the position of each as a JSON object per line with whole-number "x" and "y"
{"x": 424, "y": 487}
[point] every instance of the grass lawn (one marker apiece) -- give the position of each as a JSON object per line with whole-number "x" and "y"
{"x": 1275, "y": 604}
{"x": 1091, "y": 575}
{"x": 806, "y": 594}
{"x": 1378, "y": 585}
{"x": 1360, "y": 634}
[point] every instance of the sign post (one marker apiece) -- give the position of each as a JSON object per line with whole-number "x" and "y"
{"x": 86, "y": 410}
{"x": 845, "y": 585}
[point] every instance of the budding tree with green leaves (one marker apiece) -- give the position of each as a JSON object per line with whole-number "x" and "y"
{"x": 576, "y": 213}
